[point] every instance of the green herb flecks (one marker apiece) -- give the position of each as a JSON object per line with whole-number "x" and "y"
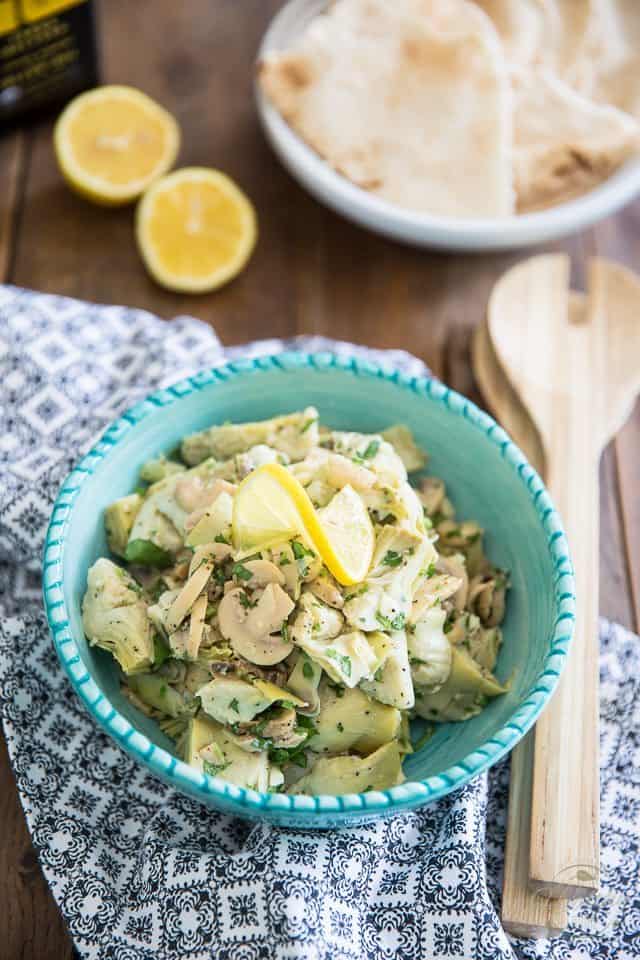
{"x": 392, "y": 558}
{"x": 145, "y": 553}
{"x": 371, "y": 450}
{"x": 161, "y": 650}
{"x": 343, "y": 661}
{"x": 300, "y": 551}
{"x": 391, "y": 623}
{"x": 240, "y": 572}
{"x": 213, "y": 769}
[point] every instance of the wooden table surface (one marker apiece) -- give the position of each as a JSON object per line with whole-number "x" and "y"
{"x": 311, "y": 273}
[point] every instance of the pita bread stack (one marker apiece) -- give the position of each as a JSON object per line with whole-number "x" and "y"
{"x": 466, "y": 108}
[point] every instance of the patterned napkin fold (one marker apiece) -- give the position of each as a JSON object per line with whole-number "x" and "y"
{"x": 141, "y": 872}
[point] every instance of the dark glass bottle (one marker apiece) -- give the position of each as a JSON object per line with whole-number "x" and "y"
{"x": 48, "y": 53}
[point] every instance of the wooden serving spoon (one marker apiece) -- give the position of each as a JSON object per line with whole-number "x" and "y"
{"x": 524, "y": 913}
{"x": 577, "y": 374}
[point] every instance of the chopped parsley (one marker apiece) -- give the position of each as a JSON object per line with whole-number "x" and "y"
{"x": 213, "y": 769}
{"x": 357, "y": 593}
{"x": 220, "y": 538}
{"x": 343, "y": 661}
{"x": 391, "y": 623}
{"x": 307, "y": 670}
{"x": 233, "y": 705}
{"x": 284, "y": 560}
{"x": 161, "y": 651}
{"x": 371, "y": 450}
{"x": 241, "y": 572}
{"x": 245, "y": 600}
{"x": 392, "y": 558}
{"x": 379, "y": 674}
{"x": 307, "y": 424}
{"x": 300, "y": 551}
{"x": 145, "y": 553}
{"x": 284, "y": 631}
{"x": 340, "y": 727}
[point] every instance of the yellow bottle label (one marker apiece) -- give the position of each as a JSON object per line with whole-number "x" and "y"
{"x": 8, "y": 16}
{"x": 37, "y": 9}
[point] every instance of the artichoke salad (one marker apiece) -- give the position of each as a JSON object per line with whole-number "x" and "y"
{"x": 287, "y": 654}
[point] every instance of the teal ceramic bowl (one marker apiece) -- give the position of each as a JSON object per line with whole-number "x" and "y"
{"x": 489, "y": 481}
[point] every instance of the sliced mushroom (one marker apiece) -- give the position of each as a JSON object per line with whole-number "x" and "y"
{"x": 196, "y": 626}
{"x": 263, "y": 572}
{"x": 248, "y": 630}
{"x": 326, "y": 589}
{"x": 487, "y": 596}
{"x": 272, "y": 609}
{"x": 285, "y": 560}
{"x": 188, "y": 596}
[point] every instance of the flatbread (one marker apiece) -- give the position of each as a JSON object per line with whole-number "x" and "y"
{"x": 564, "y": 144}
{"x": 613, "y": 45}
{"x": 410, "y": 100}
{"x": 526, "y": 29}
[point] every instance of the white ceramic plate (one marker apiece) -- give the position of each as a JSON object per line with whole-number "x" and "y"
{"x": 419, "y": 229}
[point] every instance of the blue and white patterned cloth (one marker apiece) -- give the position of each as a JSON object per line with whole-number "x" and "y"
{"x": 141, "y": 872}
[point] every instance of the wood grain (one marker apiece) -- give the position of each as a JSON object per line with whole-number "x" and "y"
{"x": 552, "y": 364}
{"x": 627, "y": 482}
{"x": 578, "y": 377}
{"x": 311, "y": 272}
{"x": 12, "y": 155}
{"x": 523, "y": 912}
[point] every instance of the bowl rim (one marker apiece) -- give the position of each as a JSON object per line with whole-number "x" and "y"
{"x": 463, "y": 233}
{"x": 305, "y": 807}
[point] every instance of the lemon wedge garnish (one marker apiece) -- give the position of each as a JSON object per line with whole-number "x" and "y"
{"x": 112, "y": 142}
{"x": 195, "y": 229}
{"x": 270, "y": 506}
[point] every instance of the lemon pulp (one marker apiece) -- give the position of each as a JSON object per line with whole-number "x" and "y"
{"x": 271, "y": 505}
{"x": 112, "y": 142}
{"x": 195, "y": 229}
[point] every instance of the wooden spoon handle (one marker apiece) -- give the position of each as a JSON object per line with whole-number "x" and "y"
{"x": 524, "y": 913}
{"x": 564, "y": 849}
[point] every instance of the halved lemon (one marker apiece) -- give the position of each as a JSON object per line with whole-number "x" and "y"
{"x": 195, "y": 229}
{"x": 112, "y": 142}
{"x": 270, "y": 506}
